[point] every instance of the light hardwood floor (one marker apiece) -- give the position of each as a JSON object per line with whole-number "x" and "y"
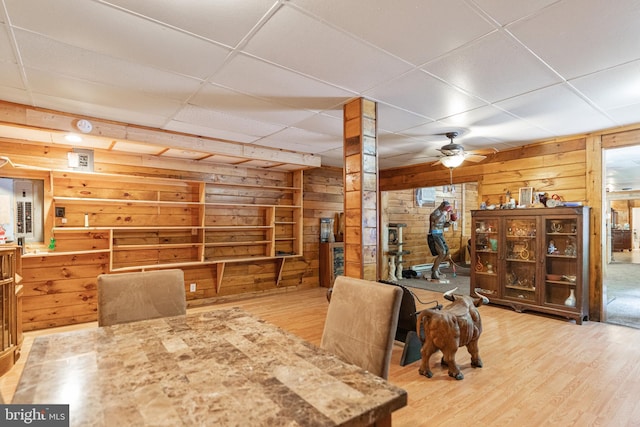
{"x": 537, "y": 370}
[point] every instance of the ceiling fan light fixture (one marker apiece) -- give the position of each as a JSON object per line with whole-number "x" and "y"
{"x": 452, "y": 161}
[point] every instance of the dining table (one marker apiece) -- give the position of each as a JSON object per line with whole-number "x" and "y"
{"x": 222, "y": 367}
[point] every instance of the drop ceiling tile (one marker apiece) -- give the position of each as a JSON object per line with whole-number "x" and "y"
{"x": 311, "y": 47}
{"x": 233, "y": 19}
{"x": 393, "y": 119}
{"x": 583, "y": 36}
{"x": 300, "y": 140}
{"x": 208, "y": 131}
{"x": 557, "y": 109}
{"x": 394, "y": 145}
{"x": 267, "y": 81}
{"x": 424, "y": 95}
{"x": 224, "y": 121}
{"x": 322, "y": 123}
{"x": 50, "y": 56}
{"x": 612, "y": 88}
{"x": 333, "y": 158}
{"x": 433, "y": 131}
{"x": 505, "y": 12}
{"x": 487, "y": 68}
{"x": 626, "y": 115}
{"x": 495, "y": 124}
{"x": 6, "y": 51}
{"x": 110, "y": 31}
{"x": 111, "y": 96}
{"x": 408, "y": 30}
{"x": 118, "y": 113}
{"x": 10, "y": 76}
{"x": 232, "y": 102}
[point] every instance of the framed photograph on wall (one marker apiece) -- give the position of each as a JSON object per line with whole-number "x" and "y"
{"x": 426, "y": 196}
{"x": 525, "y": 197}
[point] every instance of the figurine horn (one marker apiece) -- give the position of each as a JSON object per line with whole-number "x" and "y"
{"x": 449, "y": 294}
{"x": 485, "y": 300}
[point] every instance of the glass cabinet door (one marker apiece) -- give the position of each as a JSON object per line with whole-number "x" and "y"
{"x": 520, "y": 259}
{"x": 486, "y": 247}
{"x": 561, "y": 261}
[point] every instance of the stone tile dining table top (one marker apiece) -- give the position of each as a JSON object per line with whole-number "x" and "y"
{"x": 222, "y": 367}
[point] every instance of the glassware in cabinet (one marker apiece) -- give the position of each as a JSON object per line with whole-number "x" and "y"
{"x": 520, "y": 259}
{"x": 486, "y": 250}
{"x": 562, "y": 270}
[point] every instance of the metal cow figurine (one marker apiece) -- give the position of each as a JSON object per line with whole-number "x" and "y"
{"x": 457, "y": 325}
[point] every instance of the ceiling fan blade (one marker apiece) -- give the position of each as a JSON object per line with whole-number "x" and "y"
{"x": 484, "y": 151}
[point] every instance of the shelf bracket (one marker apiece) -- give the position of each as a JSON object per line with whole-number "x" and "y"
{"x": 219, "y": 276}
{"x": 279, "y": 268}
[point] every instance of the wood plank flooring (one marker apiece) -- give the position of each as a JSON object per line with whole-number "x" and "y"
{"x": 537, "y": 370}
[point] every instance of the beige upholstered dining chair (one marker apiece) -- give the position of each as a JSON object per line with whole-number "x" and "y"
{"x": 129, "y": 297}
{"x": 361, "y": 323}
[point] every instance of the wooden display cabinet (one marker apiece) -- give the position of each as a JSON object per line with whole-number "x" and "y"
{"x": 621, "y": 240}
{"x": 533, "y": 259}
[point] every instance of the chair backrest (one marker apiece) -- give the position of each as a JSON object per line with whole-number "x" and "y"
{"x": 129, "y": 297}
{"x": 361, "y": 323}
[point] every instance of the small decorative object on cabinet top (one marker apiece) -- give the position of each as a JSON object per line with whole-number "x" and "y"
{"x": 525, "y": 197}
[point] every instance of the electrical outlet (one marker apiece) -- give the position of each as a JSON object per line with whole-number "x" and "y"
{"x": 192, "y": 287}
{"x": 59, "y": 212}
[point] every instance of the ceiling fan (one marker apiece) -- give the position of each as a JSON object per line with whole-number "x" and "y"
{"x": 454, "y": 154}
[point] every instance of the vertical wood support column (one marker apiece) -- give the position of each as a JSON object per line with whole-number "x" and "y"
{"x": 361, "y": 190}
{"x": 595, "y": 187}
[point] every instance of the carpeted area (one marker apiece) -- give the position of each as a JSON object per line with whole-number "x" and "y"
{"x": 460, "y": 280}
{"x": 623, "y": 290}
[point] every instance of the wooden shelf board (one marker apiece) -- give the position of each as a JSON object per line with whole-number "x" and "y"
{"x": 126, "y": 229}
{"x": 237, "y": 227}
{"x": 59, "y": 199}
{"x": 237, "y": 205}
{"x": 256, "y": 186}
{"x": 222, "y": 244}
{"x": 64, "y": 253}
{"x": 156, "y": 246}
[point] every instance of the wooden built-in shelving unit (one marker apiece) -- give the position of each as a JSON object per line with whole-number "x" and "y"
{"x": 149, "y": 223}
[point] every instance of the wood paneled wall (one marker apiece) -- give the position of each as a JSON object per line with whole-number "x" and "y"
{"x": 61, "y": 290}
{"x": 553, "y": 167}
{"x": 323, "y": 198}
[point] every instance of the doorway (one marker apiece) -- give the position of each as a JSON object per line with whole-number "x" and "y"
{"x": 622, "y": 306}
